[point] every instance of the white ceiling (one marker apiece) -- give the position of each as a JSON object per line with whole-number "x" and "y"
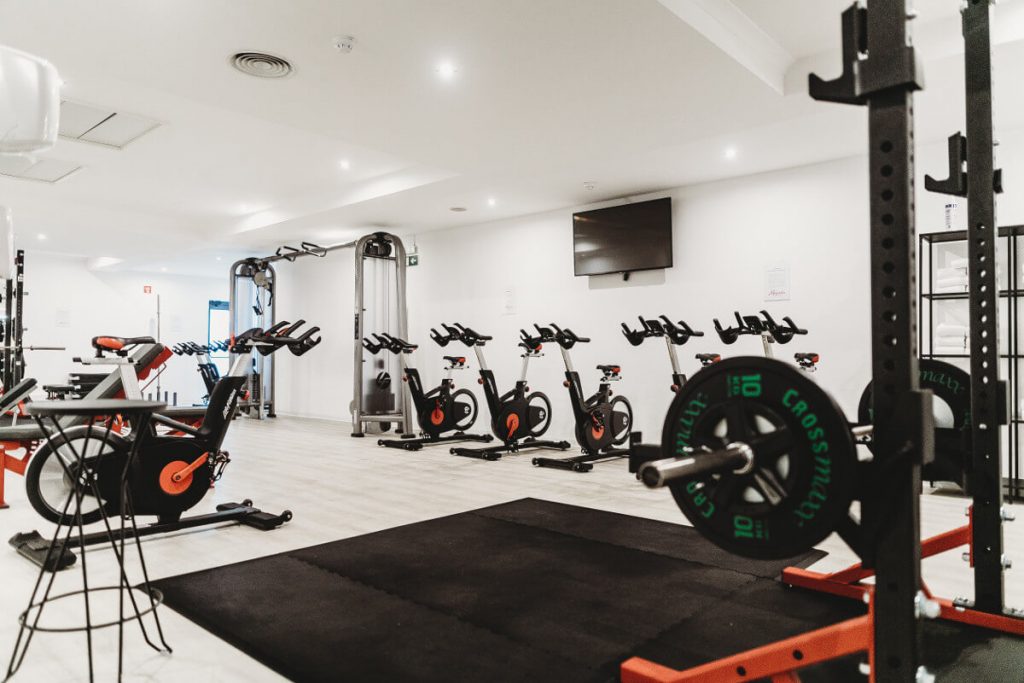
{"x": 633, "y": 95}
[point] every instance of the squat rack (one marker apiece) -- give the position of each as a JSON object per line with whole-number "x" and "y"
{"x": 379, "y": 246}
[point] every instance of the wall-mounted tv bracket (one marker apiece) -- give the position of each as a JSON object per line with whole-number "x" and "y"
{"x": 972, "y": 174}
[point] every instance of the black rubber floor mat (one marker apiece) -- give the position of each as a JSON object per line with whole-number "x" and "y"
{"x": 525, "y": 591}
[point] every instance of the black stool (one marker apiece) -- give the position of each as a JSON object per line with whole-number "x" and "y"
{"x": 78, "y": 468}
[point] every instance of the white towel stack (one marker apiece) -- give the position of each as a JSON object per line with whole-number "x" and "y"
{"x": 952, "y": 279}
{"x": 950, "y": 338}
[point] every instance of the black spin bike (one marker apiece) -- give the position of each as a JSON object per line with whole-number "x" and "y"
{"x": 601, "y": 420}
{"x": 675, "y": 334}
{"x": 173, "y": 471}
{"x": 443, "y": 413}
{"x": 518, "y": 417}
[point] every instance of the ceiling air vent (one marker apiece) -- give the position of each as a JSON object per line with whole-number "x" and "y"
{"x": 102, "y": 125}
{"x": 261, "y": 64}
{"x": 42, "y": 170}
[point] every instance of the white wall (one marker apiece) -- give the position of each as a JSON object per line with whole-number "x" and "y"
{"x": 815, "y": 218}
{"x": 725, "y": 233}
{"x": 320, "y": 290}
{"x": 68, "y": 304}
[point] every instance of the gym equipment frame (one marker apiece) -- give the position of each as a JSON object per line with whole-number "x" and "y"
{"x": 379, "y": 246}
{"x": 983, "y": 533}
{"x": 880, "y": 70}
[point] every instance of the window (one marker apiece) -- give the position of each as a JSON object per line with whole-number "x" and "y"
{"x": 218, "y": 329}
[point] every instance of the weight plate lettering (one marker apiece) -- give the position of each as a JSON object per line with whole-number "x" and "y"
{"x": 951, "y": 388}
{"x": 803, "y": 477}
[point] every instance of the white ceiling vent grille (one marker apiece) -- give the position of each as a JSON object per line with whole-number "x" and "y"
{"x": 261, "y": 64}
{"x": 101, "y": 125}
{"x": 42, "y": 170}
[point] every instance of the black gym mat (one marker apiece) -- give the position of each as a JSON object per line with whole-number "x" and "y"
{"x": 526, "y": 591}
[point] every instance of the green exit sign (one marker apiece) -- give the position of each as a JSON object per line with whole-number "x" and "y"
{"x": 414, "y": 259}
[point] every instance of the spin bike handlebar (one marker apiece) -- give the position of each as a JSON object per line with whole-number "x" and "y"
{"x": 269, "y": 341}
{"x": 469, "y": 336}
{"x": 441, "y": 340}
{"x": 678, "y": 333}
{"x": 783, "y": 334}
{"x": 567, "y": 339}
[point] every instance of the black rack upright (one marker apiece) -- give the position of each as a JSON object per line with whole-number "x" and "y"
{"x": 979, "y": 184}
{"x": 13, "y": 368}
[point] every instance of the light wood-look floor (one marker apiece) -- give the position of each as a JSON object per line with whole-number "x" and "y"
{"x": 339, "y": 487}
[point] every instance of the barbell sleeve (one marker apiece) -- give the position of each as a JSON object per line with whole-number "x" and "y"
{"x": 736, "y": 457}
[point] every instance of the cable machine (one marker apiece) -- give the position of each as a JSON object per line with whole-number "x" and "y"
{"x": 379, "y": 306}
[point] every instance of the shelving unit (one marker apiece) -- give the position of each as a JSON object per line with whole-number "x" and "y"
{"x": 1011, "y": 241}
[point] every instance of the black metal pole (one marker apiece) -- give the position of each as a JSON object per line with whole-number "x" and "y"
{"x": 18, "y": 366}
{"x": 885, "y": 80}
{"x": 987, "y": 402}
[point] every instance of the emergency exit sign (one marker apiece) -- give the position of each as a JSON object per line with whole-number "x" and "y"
{"x": 414, "y": 259}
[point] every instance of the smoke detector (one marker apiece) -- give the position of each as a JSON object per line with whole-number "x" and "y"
{"x": 457, "y": 209}
{"x": 343, "y": 44}
{"x": 261, "y": 64}
{"x": 588, "y": 185}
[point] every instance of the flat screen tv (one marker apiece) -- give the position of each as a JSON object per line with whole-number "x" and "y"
{"x": 621, "y": 239}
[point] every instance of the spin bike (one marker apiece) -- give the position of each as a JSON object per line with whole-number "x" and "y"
{"x": 172, "y": 472}
{"x": 518, "y": 418}
{"x": 601, "y": 421}
{"x": 438, "y": 411}
{"x": 674, "y": 334}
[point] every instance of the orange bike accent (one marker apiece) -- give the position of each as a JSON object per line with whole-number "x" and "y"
{"x": 16, "y": 464}
{"x": 512, "y": 422}
{"x": 111, "y": 343}
{"x": 176, "y": 476}
{"x": 437, "y": 415}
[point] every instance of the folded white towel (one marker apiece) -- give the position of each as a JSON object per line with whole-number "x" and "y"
{"x": 953, "y": 289}
{"x": 957, "y": 263}
{"x": 950, "y": 282}
{"x": 952, "y": 329}
{"x": 949, "y": 350}
{"x": 943, "y": 273}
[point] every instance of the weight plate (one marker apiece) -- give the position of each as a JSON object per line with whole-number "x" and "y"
{"x": 803, "y": 477}
{"x": 951, "y": 388}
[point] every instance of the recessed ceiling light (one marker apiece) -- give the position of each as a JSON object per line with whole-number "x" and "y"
{"x": 588, "y": 185}
{"x": 41, "y": 236}
{"x": 730, "y": 153}
{"x": 344, "y": 164}
{"x": 218, "y": 258}
{"x": 164, "y": 269}
{"x": 491, "y": 201}
{"x": 446, "y": 70}
{"x": 457, "y": 209}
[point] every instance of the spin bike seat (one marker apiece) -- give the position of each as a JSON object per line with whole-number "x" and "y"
{"x": 108, "y": 343}
{"x": 806, "y": 360}
{"x": 708, "y": 358}
{"x": 610, "y": 369}
{"x": 456, "y": 361}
